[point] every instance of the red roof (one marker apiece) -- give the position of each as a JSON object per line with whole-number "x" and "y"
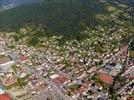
{"x": 5, "y": 97}
{"x": 106, "y": 78}
{"x": 60, "y": 80}
{"x": 23, "y": 58}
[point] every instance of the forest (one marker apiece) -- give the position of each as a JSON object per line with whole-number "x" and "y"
{"x": 63, "y": 17}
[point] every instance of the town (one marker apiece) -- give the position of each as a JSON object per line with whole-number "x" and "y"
{"x": 95, "y": 64}
{"x": 65, "y": 73}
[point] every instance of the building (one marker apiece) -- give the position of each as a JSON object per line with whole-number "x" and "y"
{"x": 59, "y": 79}
{"x": 4, "y": 96}
{"x": 113, "y": 69}
{"x": 105, "y": 78}
{"x": 35, "y": 85}
{"x": 129, "y": 73}
{"x": 18, "y": 92}
{"x": 23, "y": 58}
{"x": 8, "y": 79}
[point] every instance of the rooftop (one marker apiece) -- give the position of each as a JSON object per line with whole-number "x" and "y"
{"x": 60, "y": 80}
{"x": 106, "y": 78}
{"x": 23, "y": 58}
{"x": 9, "y": 79}
{"x": 5, "y": 96}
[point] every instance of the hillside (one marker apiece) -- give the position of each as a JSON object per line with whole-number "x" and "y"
{"x": 59, "y": 17}
{"x": 56, "y": 16}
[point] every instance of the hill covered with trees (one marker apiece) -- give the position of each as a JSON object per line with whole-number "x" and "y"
{"x": 56, "y": 16}
{"x": 63, "y": 17}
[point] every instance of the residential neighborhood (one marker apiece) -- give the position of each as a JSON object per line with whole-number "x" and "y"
{"x": 67, "y": 50}
{"x": 31, "y": 73}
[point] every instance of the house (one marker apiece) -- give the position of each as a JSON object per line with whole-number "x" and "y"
{"x": 118, "y": 66}
{"x": 129, "y": 73}
{"x": 23, "y": 58}
{"x": 22, "y": 72}
{"x": 35, "y": 85}
{"x": 59, "y": 79}
{"x": 109, "y": 67}
{"x": 8, "y": 79}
